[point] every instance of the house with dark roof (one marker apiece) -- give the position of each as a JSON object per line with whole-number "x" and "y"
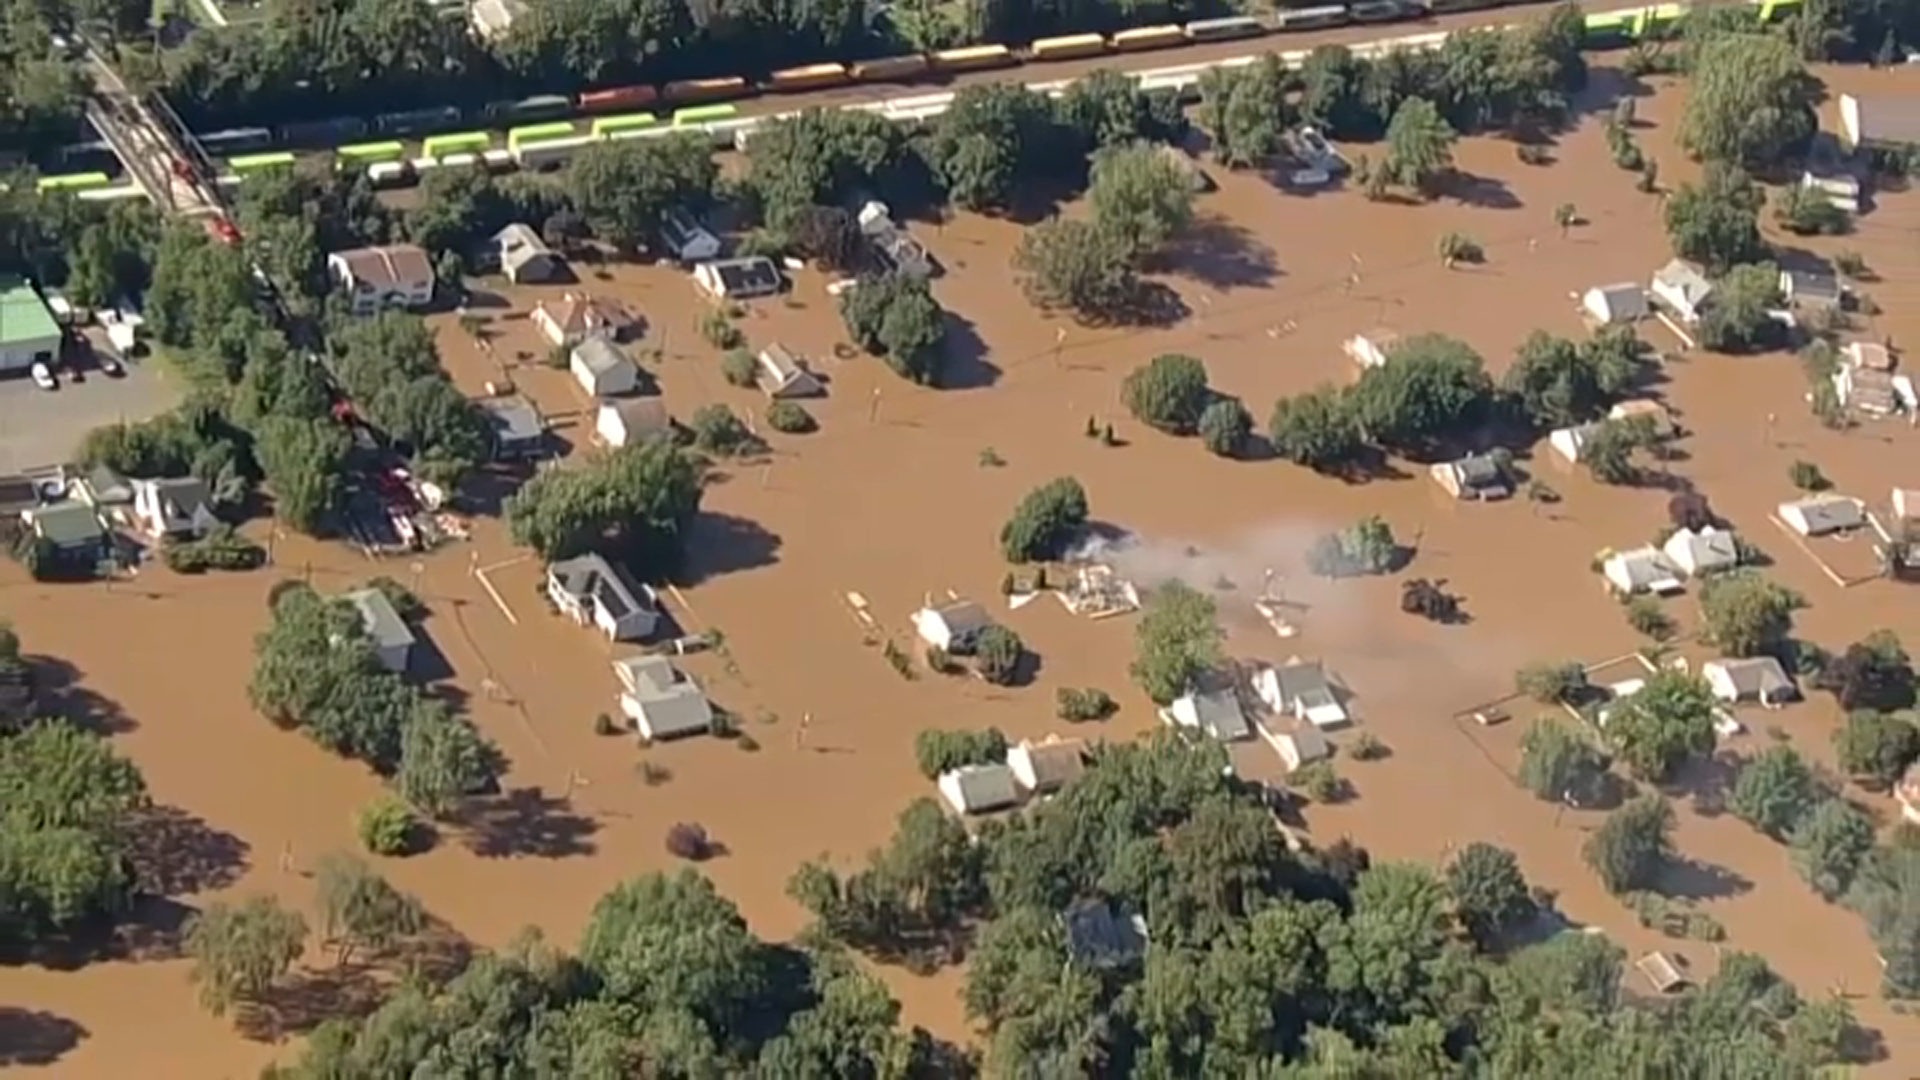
{"x": 739, "y": 279}
{"x": 593, "y": 592}
{"x": 893, "y": 247}
{"x": 519, "y": 431}
{"x": 1474, "y": 477}
{"x": 1811, "y": 290}
{"x": 72, "y": 528}
{"x": 1099, "y": 936}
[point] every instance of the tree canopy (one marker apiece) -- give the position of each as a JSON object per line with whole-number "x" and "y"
{"x": 1168, "y": 392}
{"x": 1177, "y": 640}
{"x": 1046, "y": 522}
{"x": 1659, "y": 727}
{"x": 896, "y": 317}
{"x": 633, "y": 504}
{"x": 1749, "y": 100}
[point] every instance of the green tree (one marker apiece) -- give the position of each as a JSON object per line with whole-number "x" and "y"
{"x": 1433, "y": 388}
{"x": 1419, "y": 146}
{"x": 1828, "y": 844}
{"x": 1775, "y": 791}
{"x": 1739, "y": 317}
{"x": 1245, "y": 110}
{"x": 994, "y": 136}
{"x": 1610, "y": 448}
{"x": 1877, "y": 746}
{"x": 1746, "y": 614}
{"x": 1806, "y": 211}
{"x": 240, "y": 950}
{"x": 718, "y": 430}
{"x": 386, "y": 826}
{"x": 1873, "y": 673}
{"x": 622, "y": 189}
{"x": 895, "y": 316}
{"x": 1750, "y": 101}
{"x": 442, "y": 759}
{"x": 1085, "y": 267}
{"x": 1225, "y": 427}
{"x": 360, "y": 911}
{"x": 1177, "y": 640}
{"x": 1141, "y": 195}
{"x": 674, "y": 945}
{"x": 1558, "y": 383}
{"x": 1046, "y": 522}
{"x": 65, "y": 798}
{"x": 998, "y": 655}
{"x": 1558, "y": 764}
{"x": 1490, "y": 895}
{"x": 936, "y": 751}
{"x": 635, "y": 503}
{"x": 1168, "y": 392}
{"x": 1317, "y": 429}
{"x": 1559, "y": 683}
{"x": 1630, "y": 848}
{"x": 1716, "y": 223}
{"x": 1659, "y": 727}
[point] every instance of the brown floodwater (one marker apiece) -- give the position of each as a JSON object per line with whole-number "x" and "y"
{"x": 891, "y": 499}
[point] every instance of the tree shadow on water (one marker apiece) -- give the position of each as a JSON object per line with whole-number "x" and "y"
{"x": 526, "y": 821}
{"x": 966, "y": 366}
{"x": 1691, "y": 879}
{"x": 1220, "y": 253}
{"x": 58, "y": 693}
{"x": 310, "y": 997}
{"x": 175, "y": 853}
{"x": 36, "y": 1036}
{"x": 723, "y": 544}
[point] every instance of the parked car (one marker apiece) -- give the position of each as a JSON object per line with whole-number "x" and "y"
{"x": 43, "y": 376}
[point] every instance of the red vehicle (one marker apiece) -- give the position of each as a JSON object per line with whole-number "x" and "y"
{"x": 224, "y": 231}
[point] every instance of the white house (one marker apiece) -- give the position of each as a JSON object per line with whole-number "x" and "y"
{"x": 392, "y": 638}
{"x": 1571, "y": 442}
{"x": 1697, "y": 554}
{"x": 1608, "y": 305}
{"x": 602, "y": 369}
{"x": 175, "y": 506}
{"x": 1821, "y": 515}
{"x": 686, "y": 238}
{"x": 953, "y": 626}
{"x": 1756, "y": 678}
{"x": 580, "y": 317}
{"x": 1214, "y": 713}
{"x": 624, "y": 421}
{"x": 979, "y": 789}
{"x": 738, "y": 279}
{"x": 662, "y": 701}
{"x": 1642, "y": 570}
{"x": 1045, "y": 767}
{"x": 1370, "y": 350}
{"x": 781, "y": 374}
{"x": 593, "y": 592}
{"x": 29, "y": 334}
{"x": 387, "y": 276}
{"x": 1302, "y": 690}
{"x": 1682, "y": 287}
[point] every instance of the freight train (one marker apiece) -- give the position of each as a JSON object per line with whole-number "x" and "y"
{"x": 545, "y": 131}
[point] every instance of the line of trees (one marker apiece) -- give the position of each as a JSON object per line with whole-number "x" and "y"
{"x": 315, "y": 669}
{"x": 1266, "y": 962}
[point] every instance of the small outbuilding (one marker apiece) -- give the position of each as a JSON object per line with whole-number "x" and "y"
{"x": 602, "y": 369}
{"x": 1613, "y": 305}
{"x": 1476, "y": 477}
{"x": 1822, "y": 515}
{"x": 781, "y": 374}
{"x": 979, "y": 789}
{"x": 525, "y": 258}
{"x": 390, "y": 635}
{"x": 1755, "y": 678}
{"x": 662, "y": 701}
{"x": 625, "y": 421}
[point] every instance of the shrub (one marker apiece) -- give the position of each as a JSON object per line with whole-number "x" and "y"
{"x": 1088, "y": 703}
{"x": 1318, "y": 781}
{"x": 997, "y": 654}
{"x": 1646, "y": 616}
{"x": 790, "y": 417}
{"x": 1460, "y": 248}
{"x": 739, "y": 368}
{"x": 386, "y": 826}
{"x": 936, "y": 751}
{"x": 1168, "y": 392}
{"x": 717, "y": 430}
{"x": 220, "y": 549}
{"x": 1807, "y": 476}
{"x": 1427, "y": 599}
{"x": 1225, "y": 427}
{"x": 940, "y": 661}
{"x": 720, "y": 331}
{"x": 1045, "y": 522}
{"x": 1533, "y": 154}
{"x": 1850, "y": 265}
{"x": 1368, "y": 747}
{"x": 605, "y": 725}
{"x": 686, "y": 840}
